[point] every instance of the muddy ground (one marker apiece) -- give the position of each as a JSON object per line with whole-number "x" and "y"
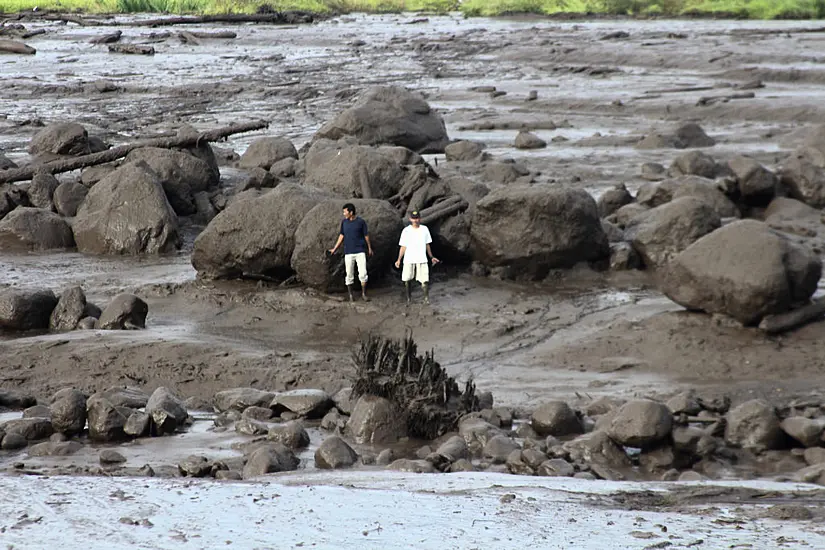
{"x": 576, "y": 335}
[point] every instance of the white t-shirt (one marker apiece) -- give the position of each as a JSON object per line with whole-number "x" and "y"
{"x": 416, "y": 241}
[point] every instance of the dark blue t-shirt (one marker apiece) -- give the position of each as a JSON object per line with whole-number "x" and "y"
{"x": 354, "y": 232}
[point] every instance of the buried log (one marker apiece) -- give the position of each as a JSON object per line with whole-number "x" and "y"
{"x": 429, "y": 400}
{"x": 782, "y": 322}
{"x": 13, "y": 46}
{"x": 133, "y": 49}
{"x": 109, "y": 38}
{"x": 188, "y": 38}
{"x": 443, "y": 209}
{"x": 710, "y": 100}
{"x": 67, "y": 165}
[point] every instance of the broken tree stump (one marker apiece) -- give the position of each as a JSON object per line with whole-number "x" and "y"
{"x": 109, "y": 38}
{"x": 84, "y": 161}
{"x": 429, "y": 400}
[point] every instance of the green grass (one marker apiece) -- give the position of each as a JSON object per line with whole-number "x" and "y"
{"x": 754, "y": 9}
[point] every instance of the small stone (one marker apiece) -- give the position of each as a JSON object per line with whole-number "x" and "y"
{"x": 335, "y": 453}
{"x": 556, "y": 467}
{"x": 499, "y": 448}
{"x": 690, "y": 475}
{"x": 528, "y": 140}
{"x": 385, "y": 457}
{"x": 228, "y": 475}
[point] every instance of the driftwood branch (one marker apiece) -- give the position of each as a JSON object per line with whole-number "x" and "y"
{"x": 133, "y": 49}
{"x": 115, "y": 153}
{"x": 13, "y": 46}
{"x": 271, "y": 18}
{"x": 782, "y": 322}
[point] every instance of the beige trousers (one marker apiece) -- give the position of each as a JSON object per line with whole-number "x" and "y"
{"x": 353, "y": 260}
{"x": 419, "y": 272}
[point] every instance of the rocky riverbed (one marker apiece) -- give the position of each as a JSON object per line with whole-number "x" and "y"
{"x": 703, "y": 123}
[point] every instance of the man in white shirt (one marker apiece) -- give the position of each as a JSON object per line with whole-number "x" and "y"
{"x": 415, "y": 247}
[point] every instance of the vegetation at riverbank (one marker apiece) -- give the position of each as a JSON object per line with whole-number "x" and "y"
{"x": 753, "y": 9}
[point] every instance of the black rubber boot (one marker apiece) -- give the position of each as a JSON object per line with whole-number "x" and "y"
{"x": 364, "y": 293}
{"x": 349, "y": 291}
{"x": 426, "y": 288}
{"x": 408, "y": 292}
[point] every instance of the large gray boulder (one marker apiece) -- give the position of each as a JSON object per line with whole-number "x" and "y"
{"x": 753, "y": 425}
{"x": 267, "y": 151}
{"x": 686, "y": 136}
{"x": 694, "y": 163}
{"x": 613, "y": 199}
{"x": 65, "y": 138}
{"x": 555, "y": 418}
{"x": 269, "y": 458}
{"x": 756, "y": 184}
{"x": 291, "y": 434}
{"x": 68, "y": 197}
{"x": 167, "y": 410}
{"x": 319, "y": 229}
{"x": 707, "y": 191}
{"x": 254, "y": 235}
{"x": 41, "y": 190}
{"x": 26, "y": 309}
{"x": 596, "y": 448}
{"x": 70, "y": 309}
{"x": 239, "y": 399}
{"x": 35, "y": 229}
{"x": 180, "y": 173}
{"x": 30, "y": 429}
{"x": 127, "y": 213}
{"x": 744, "y": 270}
{"x": 132, "y": 398}
{"x": 375, "y": 420}
{"x": 390, "y": 115}
{"x": 534, "y": 229}
{"x": 805, "y": 180}
{"x": 353, "y": 171}
{"x": 106, "y": 421}
{"x": 68, "y": 411}
{"x": 303, "y": 403}
{"x": 335, "y": 453}
{"x": 641, "y": 423}
{"x": 662, "y": 232}
{"x": 125, "y": 312}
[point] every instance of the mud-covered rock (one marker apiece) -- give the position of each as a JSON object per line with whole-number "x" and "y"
{"x": 138, "y": 424}
{"x": 596, "y": 447}
{"x": 52, "y": 448}
{"x": 454, "y": 449}
{"x": 684, "y": 403}
{"x": 375, "y": 420}
{"x": 334, "y": 421}
{"x": 195, "y": 466}
{"x": 516, "y": 464}
{"x": 109, "y": 457}
{"x": 613, "y": 199}
{"x": 240, "y": 399}
{"x": 335, "y": 453}
{"x": 254, "y": 235}
{"x": 555, "y": 418}
{"x": 390, "y": 115}
{"x": 132, "y": 398}
{"x": 106, "y": 421}
{"x": 528, "y": 140}
{"x": 6, "y": 163}
{"x": 505, "y": 172}
{"x": 555, "y": 467}
{"x": 29, "y": 228}
{"x": 180, "y": 174}
{"x": 127, "y": 213}
{"x": 284, "y": 168}
{"x": 534, "y": 229}
{"x": 756, "y": 184}
{"x": 258, "y": 413}
{"x": 68, "y": 411}
{"x": 353, "y": 171}
{"x": 452, "y": 237}
{"x": 744, "y": 270}
{"x": 291, "y": 434}
{"x": 302, "y": 403}
{"x": 64, "y": 138}
{"x": 641, "y": 423}
{"x": 804, "y": 180}
{"x": 270, "y": 458}
{"x": 319, "y": 230}
{"x": 70, "y": 309}
{"x": 30, "y": 429}
{"x": 656, "y": 194}
{"x": 265, "y": 152}
{"x": 652, "y": 171}
{"x": 13, "y": 399}
{"x": 477, "y": 432}
{"x": 807, "y": 431}
{"x": 814, "y": 455}
{"x": 663, "y": 232}
{"x": 41, "y": 190}
{"x": 125, "y": 312}
{"x": 412, "y": 466}
{"x": 26, "y": 309}
{"x": 37, "y": 411}
{"x": 167, "y": 411}
{"x": 753, "y": 425}
{"x": 707, "y": 191}
{"x": 250, "y": 426}
{"x": 624, "y": 215}
{"x": 498, "y": 448}
{"x": 460, "y": 151}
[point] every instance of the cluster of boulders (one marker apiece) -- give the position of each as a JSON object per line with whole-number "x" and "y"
{"x": 43, "y": 310}
{"x": 730, "y": 238}
{"x": 112, "y": 415}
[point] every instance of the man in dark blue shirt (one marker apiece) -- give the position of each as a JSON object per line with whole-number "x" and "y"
{"x": 356, "y": 239}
